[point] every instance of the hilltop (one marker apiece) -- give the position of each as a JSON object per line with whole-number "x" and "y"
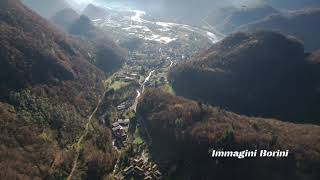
{"x": 94, "y": 12}
{"x": 183, "y": 132}
{"x": 260, "y": 74}
{"x": 65, "y": 18}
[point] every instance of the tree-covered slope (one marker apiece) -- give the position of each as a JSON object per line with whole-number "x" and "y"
{"x": 184, "y": 133}
{"x": 260, "y": 74}
{"x": 50, "y": 84}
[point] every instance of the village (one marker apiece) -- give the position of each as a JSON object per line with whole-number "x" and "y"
{"x": 147, "y": 66}
{"x": 139, "y": 165}
{"x": 127, "y": 131}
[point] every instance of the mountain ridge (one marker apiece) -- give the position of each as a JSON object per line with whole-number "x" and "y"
{"x": 300, "y": 24}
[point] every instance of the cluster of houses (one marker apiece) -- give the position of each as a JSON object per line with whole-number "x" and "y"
{"x": 140, "y": 169}
{"x": 124, "y": 106}
{"x": 120, "y": 132}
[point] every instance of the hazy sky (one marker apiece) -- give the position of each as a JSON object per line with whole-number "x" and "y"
{"x": 235, "y": 2}
{"x": 79, "y": 4}
{"x": 80, "y": 1}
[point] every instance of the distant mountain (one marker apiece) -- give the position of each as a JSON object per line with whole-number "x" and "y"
{"x": 81, "y": 26}
{"x": 183, "y": 134}
{"x": 46, "y": 8}
{"x": 109, "y": 56}
{"x": 65, "y": 18}
{"x": 227, "y": 19}
{"x": 50, "y": 84}
{"x": 95, "y": 12}
{"x": 294, "y": 4}
{"x": 261, "y": 74}
{"x": 302, "y": 24}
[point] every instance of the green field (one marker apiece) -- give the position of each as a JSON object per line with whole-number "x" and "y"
{"x": 138, "y": 141}
{"x": 168, "y": 88}
{"x": 118, "y": 85}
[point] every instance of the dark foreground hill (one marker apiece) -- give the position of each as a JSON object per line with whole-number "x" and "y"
{"x": 302, "y": 24}
{"x": 184, "y": 132}
{"x": 50, "y": 84}
{"x": 261, "y": 74}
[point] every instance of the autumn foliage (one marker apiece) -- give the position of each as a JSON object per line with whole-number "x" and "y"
{"x": 184, "y": 131}
{"x": 49, "y": 86}
{"x": 262, "y": 74}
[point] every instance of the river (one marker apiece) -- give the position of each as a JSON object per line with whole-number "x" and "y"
{"x": 133, "y": 23}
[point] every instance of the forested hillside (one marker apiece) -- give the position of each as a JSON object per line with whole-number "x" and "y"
{"x": 260, "y": 74}
{"x": 183, "y": 132}
{"x": 49, "y": 86}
